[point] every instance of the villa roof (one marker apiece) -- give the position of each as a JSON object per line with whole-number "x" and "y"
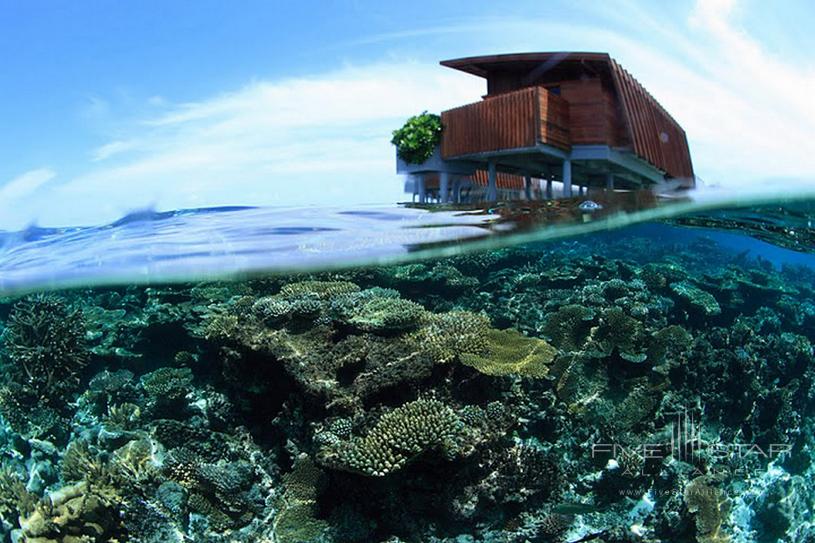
{"x": 481, "y": 65}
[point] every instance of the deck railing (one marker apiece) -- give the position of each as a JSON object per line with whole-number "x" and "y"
{"x": 512, "y": 120}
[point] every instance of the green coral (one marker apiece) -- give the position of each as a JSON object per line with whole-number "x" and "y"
{"x": 447, "y": 335}
{"x": 399, "y": 436}
{"x": 669, "y": 345}
{"x": 123, "y": 417}
{"x": 45, "y": 349}
{"x": 272, "y": 308}
{"x": 167, "y": 384}
{"x": 296, "y": 520}
{"x": 321, "y": 289}
{"x": 621, "y": 333}
{"x": 511, "y": 353}
{"x": 15, "y": 499}
{"x": 710, "y": 507}
{"x": 387, "y": 315}
{"x": 568, "y": 327}
{"x": 697, "y": 298}
{"x": 74, "y": 514}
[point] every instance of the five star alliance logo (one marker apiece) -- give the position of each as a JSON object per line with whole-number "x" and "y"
{"x": 687, "y": 445}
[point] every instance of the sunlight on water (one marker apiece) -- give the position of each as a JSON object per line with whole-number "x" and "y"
{"x": 222, "y": 243}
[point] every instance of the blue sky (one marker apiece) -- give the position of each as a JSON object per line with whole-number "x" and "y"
{"x": 108, "y": 107}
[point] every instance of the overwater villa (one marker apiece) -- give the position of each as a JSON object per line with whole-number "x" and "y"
{"x": 552, "y": 124}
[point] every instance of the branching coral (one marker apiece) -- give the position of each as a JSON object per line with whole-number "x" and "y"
{"x": 446, "y": 335}
{"x": 321, "y": 289}
{"x": 399, "y": 436}
{"x": 75, "y": 513}
{"x": 167, "y": 386}
{"x": 669, "y": 345}
{"x": 621, "y": 333}
{"x": 15, "y": 499}
{"x": 45, "y": 348}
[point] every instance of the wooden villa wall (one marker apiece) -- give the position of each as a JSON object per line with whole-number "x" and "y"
{"x": 655, "y": 135}
{"x": 502, "y": 180}
{"x": 594, "y": 116}
{"x": 481, "y": 177}
{"x": 510, "y": 120}
{"x": 597, "y": 102}
{"x": 553, "y": 119}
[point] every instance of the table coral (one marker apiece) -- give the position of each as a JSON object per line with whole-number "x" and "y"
{"x": 511, "y": 353}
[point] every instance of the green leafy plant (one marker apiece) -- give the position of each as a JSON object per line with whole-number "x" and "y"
{"x": 418, "y": 137}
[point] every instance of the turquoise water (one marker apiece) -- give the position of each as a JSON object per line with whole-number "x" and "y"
{"x": 637, "y": 370}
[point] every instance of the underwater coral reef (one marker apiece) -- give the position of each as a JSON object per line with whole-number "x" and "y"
{"x": 579, "y": 391}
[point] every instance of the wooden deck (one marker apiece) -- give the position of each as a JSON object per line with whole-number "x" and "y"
{"x": 512, "y": 120}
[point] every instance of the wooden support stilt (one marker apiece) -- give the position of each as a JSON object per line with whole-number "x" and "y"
{"x": 567, "y": 178}
{"x": 492, "y": 181}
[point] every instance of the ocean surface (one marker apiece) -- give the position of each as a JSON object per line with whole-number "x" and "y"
{"x": 619, "y": 368}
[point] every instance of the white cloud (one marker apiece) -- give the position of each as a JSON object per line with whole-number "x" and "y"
{"x": 16, "y": 196}
{"x": 324, "y": 139}
{"x": 24, "y": 185}
{"x": 110, "y": 149}
{"x": 320, "y": 140}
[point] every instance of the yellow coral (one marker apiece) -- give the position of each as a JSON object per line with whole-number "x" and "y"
{"x": 710, "y": 506}
{"x": 511, "y": 353}
{"x": 72, "y": 514}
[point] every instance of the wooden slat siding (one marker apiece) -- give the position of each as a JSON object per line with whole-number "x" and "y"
{"x": 507, "y": 121}
{"x": 591, "y": 115}
{"x": 646, "y": 121}
{"x": 552, "y": 119}
{"x": 503, "y": 180}
{"x": 480, "y": 177}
